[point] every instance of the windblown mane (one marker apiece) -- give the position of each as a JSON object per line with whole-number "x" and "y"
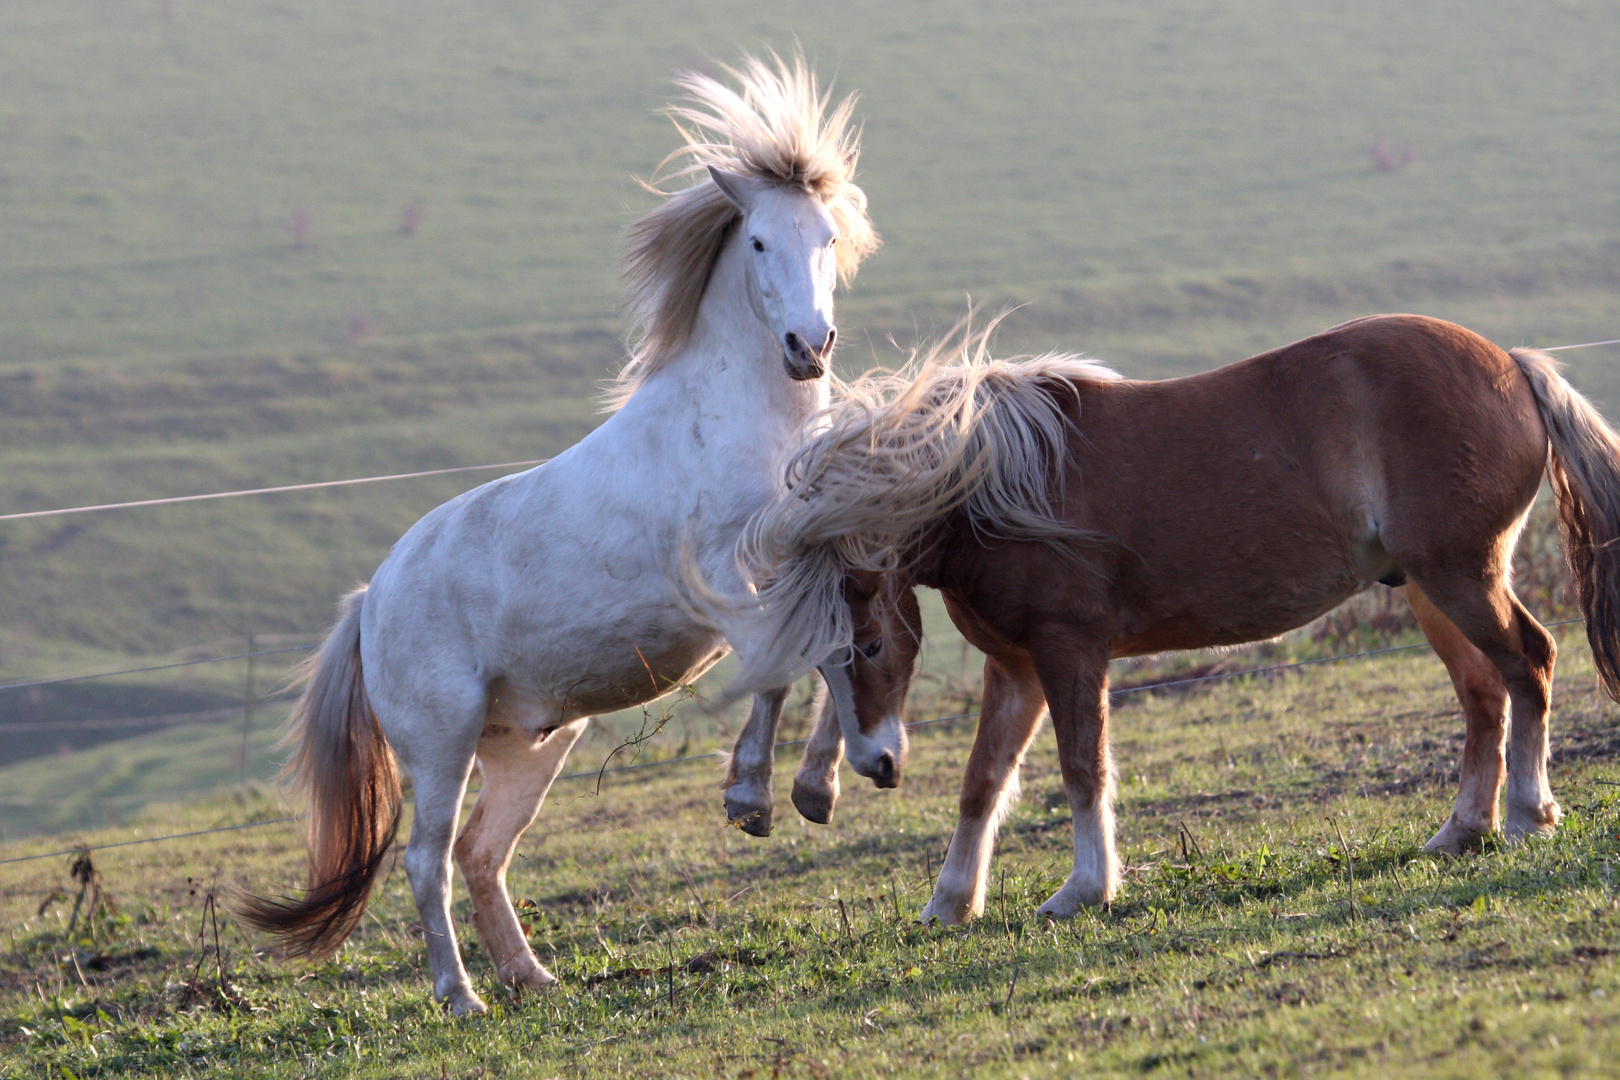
{"x": 778, "y": 126}
{"x": 900, "y": 451}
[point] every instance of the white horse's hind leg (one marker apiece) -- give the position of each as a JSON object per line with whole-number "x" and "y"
{"x": 750, "y": 798}
{"x": 518, "y": 771}
{"x": 439, "y": 783}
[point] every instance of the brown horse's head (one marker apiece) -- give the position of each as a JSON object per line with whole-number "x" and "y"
{"x": 869, "y": 681}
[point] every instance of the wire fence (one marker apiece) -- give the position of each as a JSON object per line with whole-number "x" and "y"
{"x": 606, "y": 770}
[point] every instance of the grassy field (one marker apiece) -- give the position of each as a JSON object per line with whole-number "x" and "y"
{"x": 268, "y": 243}
{"x": 1278, "y": 918}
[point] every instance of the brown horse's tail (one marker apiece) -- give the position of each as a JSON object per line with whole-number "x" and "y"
{"x": 1585, "y": 475}
{"x": 350, "y": 779}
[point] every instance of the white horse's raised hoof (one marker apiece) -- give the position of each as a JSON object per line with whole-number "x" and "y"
{"x": 752, "y": 818}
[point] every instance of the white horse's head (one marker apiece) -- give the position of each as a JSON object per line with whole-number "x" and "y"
{"x": 777, "y": 163}
{"x": 791, "y": 237}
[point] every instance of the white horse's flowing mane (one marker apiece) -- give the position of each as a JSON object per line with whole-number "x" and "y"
{"x": 778, "y": 126}
{"x": 953, "y": 430}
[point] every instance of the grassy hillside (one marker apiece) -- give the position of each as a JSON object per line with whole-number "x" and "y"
{"x": 267, "y": 243}
{"x": 1277, "y": 918}
{"x": 159, "y": 152}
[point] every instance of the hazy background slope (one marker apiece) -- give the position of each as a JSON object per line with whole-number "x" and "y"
{"x": 264, "y": 243}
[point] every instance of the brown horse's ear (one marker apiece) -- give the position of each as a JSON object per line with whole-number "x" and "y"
{"x": 738, "y": 189}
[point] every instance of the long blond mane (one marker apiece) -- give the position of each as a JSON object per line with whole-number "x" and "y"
{"x": 953, "y": 431}
{"x": 777, "y": 126}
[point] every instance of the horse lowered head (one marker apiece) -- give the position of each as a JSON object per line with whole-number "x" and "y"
{"x": 792, "y": 266}
{"x": 867, "y": 686}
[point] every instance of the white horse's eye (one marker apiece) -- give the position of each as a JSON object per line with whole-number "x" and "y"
{"x": 833, "y": 241}
{"x": 871, "y": 648}
{"x": 759, "y": 245}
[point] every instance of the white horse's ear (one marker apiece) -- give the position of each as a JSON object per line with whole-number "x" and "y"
{"x": 738, "y": 189}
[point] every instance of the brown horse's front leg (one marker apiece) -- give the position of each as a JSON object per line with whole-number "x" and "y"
{"x": 1013, "y": 704}
{"x": 1075, "y": 676}
{"x": 815, "y": 788}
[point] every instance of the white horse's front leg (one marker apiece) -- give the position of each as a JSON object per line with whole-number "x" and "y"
{"x": 750, "y": 797}
{"x": 815, "y": 787}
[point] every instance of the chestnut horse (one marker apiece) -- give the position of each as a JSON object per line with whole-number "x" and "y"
{"x": 1070, "y": 516}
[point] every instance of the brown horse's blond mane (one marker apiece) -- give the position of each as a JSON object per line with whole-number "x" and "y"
{"x": 778, "y": 126}
{"x": 953, "y": 430}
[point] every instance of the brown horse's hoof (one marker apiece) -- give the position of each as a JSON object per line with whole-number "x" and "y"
{"x": 815, "y": 803}
{"x": 1523, "y": 822}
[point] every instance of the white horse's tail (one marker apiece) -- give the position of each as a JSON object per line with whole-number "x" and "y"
{"x": 343, "y": 764}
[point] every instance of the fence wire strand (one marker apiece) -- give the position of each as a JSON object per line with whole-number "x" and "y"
{"x": 173, "y": 499}
{"x": 781, "y": 745}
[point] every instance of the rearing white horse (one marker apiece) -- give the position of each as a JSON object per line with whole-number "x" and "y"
{"x": 509, "y": 616}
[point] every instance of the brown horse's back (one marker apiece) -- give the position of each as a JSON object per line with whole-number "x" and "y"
{"x": 1245, "y": 501}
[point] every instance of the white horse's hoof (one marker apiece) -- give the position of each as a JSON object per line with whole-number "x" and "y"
{"x": 463, "y": 1002}
{"x": 815, "y": 801}
{"x": 749, "y": 816}
{"x": 529, "y": 976}
{"x": 1454, "y": 838}
{"x": 947, "y": 912}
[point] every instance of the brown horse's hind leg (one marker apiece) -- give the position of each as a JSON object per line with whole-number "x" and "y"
{"x": 1013, "y": 704}
{"x": 1484, "y": 698}
{"x": 517, "y": 774}
{"x": 1493, "y": 620}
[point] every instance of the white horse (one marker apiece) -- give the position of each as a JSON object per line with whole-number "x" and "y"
{"x": 509, "y": 616}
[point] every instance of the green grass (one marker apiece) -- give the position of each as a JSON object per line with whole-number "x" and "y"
{"x": 689, "y": 949}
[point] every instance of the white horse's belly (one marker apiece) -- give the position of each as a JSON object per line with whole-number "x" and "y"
{"x": 552, "y": 584}
{"x": 605, "y": 665}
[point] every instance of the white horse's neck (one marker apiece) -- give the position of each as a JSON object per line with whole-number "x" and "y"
{"x": 731, "y": 374}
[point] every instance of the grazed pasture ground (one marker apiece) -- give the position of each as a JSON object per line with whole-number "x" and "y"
{"x": 1278, "y": 917}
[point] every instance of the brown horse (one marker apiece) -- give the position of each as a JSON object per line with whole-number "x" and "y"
{"x": 1069, "y": 516}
